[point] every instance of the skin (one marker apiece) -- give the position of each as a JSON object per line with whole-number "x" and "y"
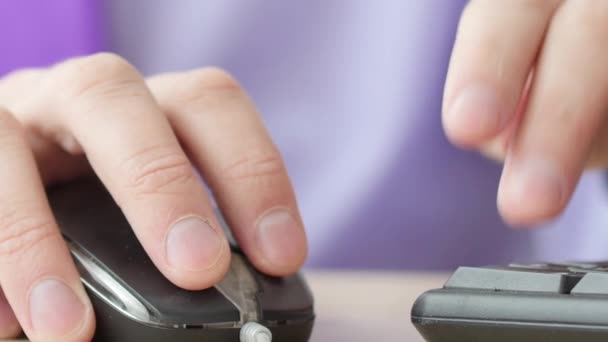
{"x": 140, "y": 136}
{"x": 528, "y": 84}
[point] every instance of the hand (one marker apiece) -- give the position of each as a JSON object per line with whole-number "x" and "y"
{"x": 98, "y": 114}
{"x": 528, "y": 83}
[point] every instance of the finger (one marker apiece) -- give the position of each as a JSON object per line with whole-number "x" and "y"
{"x": 54, "y": 163}
{"x": 9, "y": 326}
{"x": 14, "y": 85}
{"x": 223, "y": 132}
{"x": 567, "y": 107}
{"x": 131, "y": 146}
{"x": 498, "y": 147}
{"x": 36, "y": 271}
{"x": 496, "y": 45}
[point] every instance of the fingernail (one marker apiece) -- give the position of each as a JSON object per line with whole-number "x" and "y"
{"x": 535, "y": 187}
{"x": 193, "y": 245}
{"x": 280, "y": 238}
{"x": 55, "y": 309}
{"x": 475, "y": 113}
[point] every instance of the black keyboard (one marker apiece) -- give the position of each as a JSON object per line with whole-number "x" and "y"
{"x": 536, "y": 302}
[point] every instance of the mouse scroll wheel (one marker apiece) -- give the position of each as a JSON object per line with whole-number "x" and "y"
{"x": 255, "y": 332}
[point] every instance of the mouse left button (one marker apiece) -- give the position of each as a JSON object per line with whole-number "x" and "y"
{"x": 97, "y": 280}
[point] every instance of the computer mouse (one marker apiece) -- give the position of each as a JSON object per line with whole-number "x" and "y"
{"x": 133, "y": 301}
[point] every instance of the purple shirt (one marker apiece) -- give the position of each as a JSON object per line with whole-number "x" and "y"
{"x": 351, "y": 93}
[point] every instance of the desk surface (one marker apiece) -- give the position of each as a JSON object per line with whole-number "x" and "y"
{"x": 367, "y": 306}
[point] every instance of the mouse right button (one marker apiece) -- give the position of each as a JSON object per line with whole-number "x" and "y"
{"x": 287, "y": 298}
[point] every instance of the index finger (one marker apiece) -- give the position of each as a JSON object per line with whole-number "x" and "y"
{"x": 496, "y": 45}
{"x": 107, "y": 110}
{"x": 36, "y": 270}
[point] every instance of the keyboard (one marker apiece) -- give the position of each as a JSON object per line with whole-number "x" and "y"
{"x": 518, "y": 302}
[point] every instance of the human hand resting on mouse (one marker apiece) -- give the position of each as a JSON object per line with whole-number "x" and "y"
{"x": 528, "y": 84}
{"x": 141, "y": 137}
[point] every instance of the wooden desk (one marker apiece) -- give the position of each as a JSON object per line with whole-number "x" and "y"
{"x": 367, "y": 306}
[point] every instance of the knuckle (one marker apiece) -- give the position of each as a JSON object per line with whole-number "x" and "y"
{"x": 536, "y": 5}
{"x": 103, "y": 65}
{"x": 21, "y": 231}
{"x": 21, "y": 77}
{"x": 99, "y": 75}
{"x": 158, "y": 170}
{"x": 254, "y": 166}
{"x": 201, "y": 88}
{"x": 17, "y": 81}
{"x": 211, "y": 78}
{"x": 489, "y": 6}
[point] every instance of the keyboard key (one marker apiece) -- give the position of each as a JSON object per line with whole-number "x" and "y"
{"x": 592, "y": 283}
{"x": 514, "y": 279}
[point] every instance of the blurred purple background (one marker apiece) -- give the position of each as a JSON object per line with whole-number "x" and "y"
{"x": 351, "y": 92}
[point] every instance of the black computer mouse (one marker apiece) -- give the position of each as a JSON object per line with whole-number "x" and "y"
{"x": 133, "y": 301}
